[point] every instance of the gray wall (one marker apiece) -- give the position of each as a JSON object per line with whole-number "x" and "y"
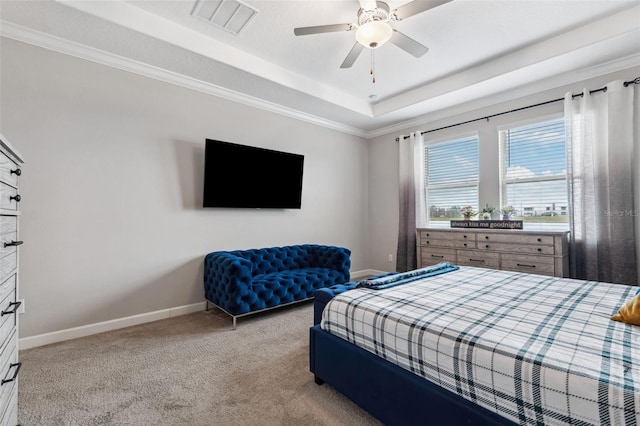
{"x": 112, "y": 185}
{"x": 113, "y": 180}
{"x": 383, "y": 157}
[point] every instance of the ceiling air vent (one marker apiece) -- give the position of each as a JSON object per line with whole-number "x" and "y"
{"x": 230, "y": 15}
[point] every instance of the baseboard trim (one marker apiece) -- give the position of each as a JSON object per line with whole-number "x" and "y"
{"x": 101, "y": 327}
{"x": 115, "y": 324}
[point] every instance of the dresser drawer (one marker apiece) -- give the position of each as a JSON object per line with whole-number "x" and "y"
{"x": 8, "y": 286}
{"x": 7, "y": 197}
{"x": 6, "y": 167}
{"x": 8, "y": 224}
{"x": 8, "y": 263}
{"x": 7, "y": 239}
{"x": 431, "y": 257}
{"x": 480, "y": 259}
{"x": 531, "y": 264}
{"x": 516, "y": 248}
{"x": 515, "y": 238}
{"x": 448, "y": 243}
{"x": 10, "y": 417}
{"x": 7, "y": 321}
{"x": 444, "y": 235}
{"x": 8, "y": 368}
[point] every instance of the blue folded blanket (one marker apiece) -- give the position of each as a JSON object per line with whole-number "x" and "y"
{"x": 407, "y": 277}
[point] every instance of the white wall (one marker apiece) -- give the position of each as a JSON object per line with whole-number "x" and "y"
{"x": 112, "y": 185}
{"x": 383, "y": 158}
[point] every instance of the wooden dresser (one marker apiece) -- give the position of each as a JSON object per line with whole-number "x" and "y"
{"x": 10, "y": 171}
{"x": 544, "y": 253}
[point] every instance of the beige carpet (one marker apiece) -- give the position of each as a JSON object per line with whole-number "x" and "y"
{"x": 188, "y": 370}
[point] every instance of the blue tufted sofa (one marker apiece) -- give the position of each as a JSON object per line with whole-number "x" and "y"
{"x": 242, "y": 282}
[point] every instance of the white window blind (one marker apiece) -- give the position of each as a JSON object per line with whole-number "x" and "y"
{"x": 533, "y": 174}
{"x": 451, "y": 175}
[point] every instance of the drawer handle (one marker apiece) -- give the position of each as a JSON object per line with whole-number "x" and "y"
{"x": 539, "y": 249}
{"x": 476, "y": 260}
{"x": 16, "y": 172}
{"x": 427, "y": 242}
{"x": 439, "y": 257}
{"x": 427, "y": 234}
{"x": 486, "y": 237}
{"x": 486, "y": 246}
{"x": 525, "y": 265}
{"x": 16, "y": 197}
{"x": 15, "y": 373}
{"x": 464, "y": 236}
{"x": 13, "y": 243}
{"x": 539, "y": 239}
{"x": 465, "y": 244}
{"x": 15, "y": 305}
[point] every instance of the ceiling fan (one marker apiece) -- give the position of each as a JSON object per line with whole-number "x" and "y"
{"x": 373, "y": 27}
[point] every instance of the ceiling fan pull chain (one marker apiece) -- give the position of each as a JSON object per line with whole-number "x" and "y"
{"x": 371, "y": 66}
{"x": 371, "y": 71}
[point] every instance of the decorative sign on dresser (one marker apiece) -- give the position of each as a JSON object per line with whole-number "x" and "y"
{"x": 486, "y": 224}
{"x": 544, "y": 253}
{"x": 10, "y": 171}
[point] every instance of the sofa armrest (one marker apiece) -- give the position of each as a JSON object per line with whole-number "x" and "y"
{"x": 332, "y": 257}
{"x": 228, "y": 282}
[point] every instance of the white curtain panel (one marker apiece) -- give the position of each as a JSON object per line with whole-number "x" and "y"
{"x": 419, "y": 180}
{"x": 412, "y": 199}
{"x": 601, "y": 129}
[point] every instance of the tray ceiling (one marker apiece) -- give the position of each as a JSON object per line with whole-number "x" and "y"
{"x": 478, "y": 51}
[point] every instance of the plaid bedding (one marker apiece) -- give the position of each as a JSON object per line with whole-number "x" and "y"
{"x": 534, "y": 349}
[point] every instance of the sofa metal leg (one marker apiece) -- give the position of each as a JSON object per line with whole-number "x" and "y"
{"x": 234, "y": 322}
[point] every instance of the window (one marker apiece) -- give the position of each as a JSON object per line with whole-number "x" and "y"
{"x": 451, "y": 179}
{"x": 533, "y": 173}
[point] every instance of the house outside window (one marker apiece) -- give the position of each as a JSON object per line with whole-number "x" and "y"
{"x": 533, "y": 175}
{"x": 451, "y": 179}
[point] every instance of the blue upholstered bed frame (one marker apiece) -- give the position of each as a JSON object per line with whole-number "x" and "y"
{"x": 393, "y": 395}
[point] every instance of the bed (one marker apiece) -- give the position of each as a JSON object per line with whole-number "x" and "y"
{"x": 477, "y": 346}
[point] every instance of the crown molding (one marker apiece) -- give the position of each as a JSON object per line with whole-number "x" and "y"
{"x": 81, "y": 51}
{"x": 127, "y": 15}
{"x": 550, "y": 83}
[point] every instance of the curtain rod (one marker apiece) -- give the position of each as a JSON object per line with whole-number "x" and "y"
{"x": 602, "y": 89}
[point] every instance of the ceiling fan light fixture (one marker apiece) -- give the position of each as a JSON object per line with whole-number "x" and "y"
{"x": 374, "y": 34}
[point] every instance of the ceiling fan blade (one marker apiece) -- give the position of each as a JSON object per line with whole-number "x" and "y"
{"x": 415, "y": 7}
{"x": 352, "y": 56}
{"x": 368, "y": 4}
{"x": 322, "y": 29}
{"x": 408, "y": 44}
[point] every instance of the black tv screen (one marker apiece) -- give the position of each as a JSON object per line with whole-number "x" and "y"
{"x": 241, "y": 176}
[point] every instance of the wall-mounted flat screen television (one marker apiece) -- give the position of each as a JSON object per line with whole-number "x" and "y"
{"x": 242, "y": 176}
